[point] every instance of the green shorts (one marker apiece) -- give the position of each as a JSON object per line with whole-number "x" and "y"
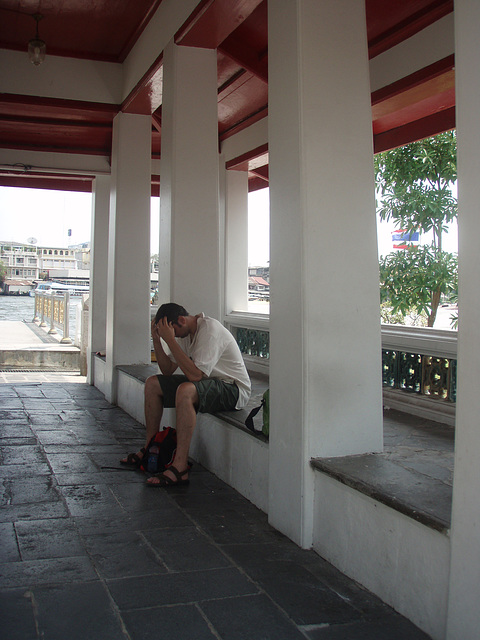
{"x": 213, "y": 395}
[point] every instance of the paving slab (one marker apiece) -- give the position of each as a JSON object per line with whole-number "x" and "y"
{"x": 81, "y": 535}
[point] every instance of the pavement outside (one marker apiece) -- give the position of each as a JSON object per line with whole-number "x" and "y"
{"x": 26, "y": 345}
{"x": 91, "y": 552}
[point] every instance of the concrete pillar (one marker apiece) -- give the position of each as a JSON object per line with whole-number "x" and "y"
{"x": 128, "y": 299}
{"x": 98, "y": 271}
{"x": 189, "y": 200}
{"x": 463, "y": 612}
{"x": 236, "y": 241}
{"x": 325, "y": 349}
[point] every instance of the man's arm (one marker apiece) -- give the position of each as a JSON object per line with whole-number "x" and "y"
{"x": 189, "y": 368}
{"x": 167, "y": 367}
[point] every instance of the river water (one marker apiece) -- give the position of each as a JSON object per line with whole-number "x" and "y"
{"x": 21, "y": 308}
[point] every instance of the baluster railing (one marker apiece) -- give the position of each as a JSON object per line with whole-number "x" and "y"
{"x": 55, "y": 308}
{"x": 418, "y": 361}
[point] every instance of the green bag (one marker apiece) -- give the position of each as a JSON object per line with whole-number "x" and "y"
{"x": 266, "y": 415}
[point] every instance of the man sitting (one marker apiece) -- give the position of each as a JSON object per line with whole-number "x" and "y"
{"x": 214, "y": 378}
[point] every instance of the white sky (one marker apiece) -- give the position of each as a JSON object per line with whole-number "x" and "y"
{"x": 48, "y": 215}
{"x": 45, "y": 215}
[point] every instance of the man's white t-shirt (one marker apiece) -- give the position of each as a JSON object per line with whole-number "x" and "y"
{"x": 215, "y": 352}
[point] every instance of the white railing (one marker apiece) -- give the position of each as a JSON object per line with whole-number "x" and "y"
{"x": 53, "y": 310}
{"x": 434, "y": 342}
{"x": 252, "y": 332}
{"x": 419, "y": 364}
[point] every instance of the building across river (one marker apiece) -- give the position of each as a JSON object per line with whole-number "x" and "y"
{"x": 26, "y": 264}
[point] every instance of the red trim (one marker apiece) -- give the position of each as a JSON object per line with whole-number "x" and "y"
{"x": 429, "y": 126}
{"x": 67, "y": 109}
{"x": 255, "y": 184}
{"x": 134, "y": 36}
{"x": 59, "y": 182}
{"x": 409, "y": 27}
{"x": 197, "y": 15}
{"x": 249, "y": 120}
{"x": 157, "y": 121}
{"x": 155, "y": 191}
{"x": 240, "y": 163}
{"x": 146, "y": 96}
{"x": 51, "y": 148}
{"x": 239, "y": 51}
{"x": 55, "y": 182}
{"x": 261, "y": 172}
{"x": 212, "y": 21}
{"x": 414, "y": 79}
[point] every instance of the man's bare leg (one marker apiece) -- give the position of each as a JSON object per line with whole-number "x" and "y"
{"x": 186, "y": 419}
{"x": 153, "y": 409}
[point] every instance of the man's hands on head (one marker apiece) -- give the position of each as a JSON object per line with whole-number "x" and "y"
{"x": 164, "y": 329}
{"x": 167, "y": 367}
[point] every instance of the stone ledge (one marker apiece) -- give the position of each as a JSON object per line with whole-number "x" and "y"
{"x": 235, "y": 418}
{"x": 57, "y": 357}
{"x": 425, "y": 499}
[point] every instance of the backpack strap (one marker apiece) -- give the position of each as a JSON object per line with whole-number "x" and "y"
{"x": 251, "y": 415}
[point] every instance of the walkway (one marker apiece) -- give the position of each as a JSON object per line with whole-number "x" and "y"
{"x": 90, "y": 552}
{"x": 24, "y": 345}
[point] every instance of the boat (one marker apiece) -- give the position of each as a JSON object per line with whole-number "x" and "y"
{"x": 58, "y": 287}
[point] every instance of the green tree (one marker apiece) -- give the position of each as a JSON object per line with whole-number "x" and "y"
{"x": 415, "y": 279}
{"x": 414, "y": 183}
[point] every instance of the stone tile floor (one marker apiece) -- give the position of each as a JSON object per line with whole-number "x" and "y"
{"x": 91, "y": 552}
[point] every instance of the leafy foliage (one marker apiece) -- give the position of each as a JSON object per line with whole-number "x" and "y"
{"x": 414, "y": 183}
{"x": 412, "y": 318}
{"x": 416, "y": 279}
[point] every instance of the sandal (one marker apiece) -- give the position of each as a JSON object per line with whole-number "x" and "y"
{"x": 165, "y": 481}
{"x": 133, "y": 460}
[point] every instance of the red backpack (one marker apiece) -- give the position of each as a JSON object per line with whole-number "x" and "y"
{"x": 160, "y": 451}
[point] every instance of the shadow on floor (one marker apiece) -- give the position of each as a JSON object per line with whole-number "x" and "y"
{"x": 91, "y": 552}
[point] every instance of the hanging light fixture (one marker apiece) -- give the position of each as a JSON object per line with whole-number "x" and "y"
{"x": 36, "y": 47}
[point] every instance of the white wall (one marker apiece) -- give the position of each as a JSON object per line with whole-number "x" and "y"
{"x": 59, "y": 77}
{"x": 403, "y": 562}
{"x": 324, "y": 319}
{"x": 464, "y": 610}
{"x": 424, "y": 48}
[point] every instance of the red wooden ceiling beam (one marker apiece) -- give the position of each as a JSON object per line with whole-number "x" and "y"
{"x": 415, "y": 79}
{"x": 213, "y": 21}
{"x": 157, "y": 121}
{"x": 428, "y": 126}
{"x": 145, "y": 19}
{"x": 75, "y": 110}
{"x": 260, "y": 172}
{"x": 246, "y": 122}
{"x": 255, "y": 184}
{"x": 408, "y": 27}
{"x": 58, "y": 182}
{"x": 250, "y": 159}
{"x": 422, "y": 94}
{"x": 245, "y": 56}
{"x": 146, "y": 96}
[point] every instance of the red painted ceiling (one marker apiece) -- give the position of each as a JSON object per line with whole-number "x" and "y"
{"x": 107, "y": 30}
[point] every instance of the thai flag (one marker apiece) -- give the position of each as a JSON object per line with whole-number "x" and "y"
{"x": 402, "y": 239}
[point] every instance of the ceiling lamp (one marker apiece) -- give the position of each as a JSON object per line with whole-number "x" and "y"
{"x": 36, "y": 47}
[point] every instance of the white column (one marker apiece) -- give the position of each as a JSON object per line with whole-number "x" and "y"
{"x": 463, "y": 612}
{"x": 236, "y": 241}
{"x": 189, "y": 180}
{"x": 325, "y": 350}
{"x": 98, "y": 270}
{"x": 128, "y": 299}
